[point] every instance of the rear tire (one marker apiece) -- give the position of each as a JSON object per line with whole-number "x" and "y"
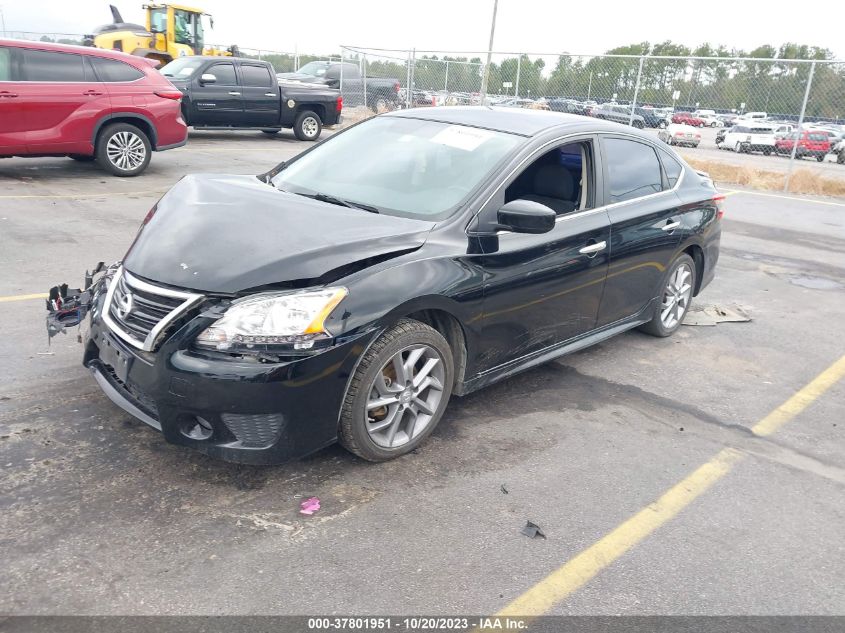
{"x": 676, "y": 290}
{"x": 123, "y": 150}
{"x": 386, "y": 431}
{"x": 820, "y": 158}
{"x": 307, "y": 126}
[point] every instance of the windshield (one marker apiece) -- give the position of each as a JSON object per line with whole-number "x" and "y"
{"x": 400, "y": 166}
{"x": 315, "y": 69}
{"x": 181, "y": 68}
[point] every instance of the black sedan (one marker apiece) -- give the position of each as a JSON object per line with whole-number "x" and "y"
{"x": 348, "y": 294}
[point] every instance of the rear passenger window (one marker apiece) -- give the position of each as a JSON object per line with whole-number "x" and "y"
{"x": 633, "y": 169}
{"x": 50, "y": 66}
{"x": 672, "y": 168}
{"x": 5, "y": 64}
{"x": 111, "y": 70}
{"x": 257, "y": 76}
{"x": 225, "y": 74}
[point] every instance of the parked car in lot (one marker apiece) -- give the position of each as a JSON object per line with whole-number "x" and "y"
{"x": 86, "y": 103}
{"x": 748, "y": 138}
{"x": 680, "y": 134}
{"x": 443, "y": 249}
{"x": 617, "y": 113}
{"x": 382, "y": 93}
{"x": 687, "y": 118}
{"x": 651, "y": 118}
{"x": 839, "y": 150}
{"x": 709, "y": 117}
{"x": 810, "y": 143}
{"x": 234, "y": 93}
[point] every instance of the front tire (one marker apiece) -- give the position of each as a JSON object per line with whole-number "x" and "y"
{"x": 675, "y": 297}
{"x": 123, "y": 150}
{"x": 398, "y": 393}
{"x": 307, "y": 126}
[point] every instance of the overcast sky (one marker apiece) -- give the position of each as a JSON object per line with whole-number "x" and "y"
{"x": 550, "y": 26}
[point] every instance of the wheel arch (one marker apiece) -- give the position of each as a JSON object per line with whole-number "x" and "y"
{"x": 697, "y": 253}
{"x": 132, "y": 118}
{"x": 438, "y": 313}
{"x": 317, "y": 108}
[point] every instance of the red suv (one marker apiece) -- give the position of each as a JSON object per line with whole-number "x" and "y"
{"x": 688, "y": 118}
{"x": 811, "y": 143}
{"x": 86, "y": 103}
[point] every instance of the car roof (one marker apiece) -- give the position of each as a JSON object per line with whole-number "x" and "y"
{"x": 521, "y": 121}
{"x": 72, "y": 48}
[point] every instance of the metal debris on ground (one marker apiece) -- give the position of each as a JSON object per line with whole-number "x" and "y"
{"x": 66, "y": 307}
{"x": 309, "y": 506}
{"x": 504, "y": 490}
{"x": 532, "y": 530}
{"x": 713, "y": 314}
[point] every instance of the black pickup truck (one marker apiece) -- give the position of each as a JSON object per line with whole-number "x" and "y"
{"x": 381, "y": 93}
{"x": 238, "y": 93}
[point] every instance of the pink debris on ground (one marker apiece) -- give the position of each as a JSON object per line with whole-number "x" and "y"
{"x": 309, "y": 506}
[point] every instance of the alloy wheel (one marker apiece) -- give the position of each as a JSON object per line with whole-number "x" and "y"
{"x": 405, "y": 396}
{"x": 676, "y": 296}
{"x": 310, "y": 126}
{"x": 126, "y": 151}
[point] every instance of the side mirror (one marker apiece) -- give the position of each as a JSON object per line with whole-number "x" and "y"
{"x": 526, "y": 216}
{"x": 208, "y": 78}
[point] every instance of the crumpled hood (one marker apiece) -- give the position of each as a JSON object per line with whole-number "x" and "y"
{"x": 218, "y": 233}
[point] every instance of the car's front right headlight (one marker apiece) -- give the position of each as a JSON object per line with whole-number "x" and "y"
{"x": 271, "y": 322}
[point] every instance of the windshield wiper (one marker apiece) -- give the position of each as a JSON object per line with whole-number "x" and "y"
{"x": 324, "y": 197}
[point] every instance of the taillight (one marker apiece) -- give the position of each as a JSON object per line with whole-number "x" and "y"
{"x": 719, "y": 200}
{"x": 169, "y": 94}
{"x": 339, "y": 104}
{"x": 679, "y": 133}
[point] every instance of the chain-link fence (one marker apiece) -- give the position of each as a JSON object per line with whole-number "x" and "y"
{"x": 760, "y": 105}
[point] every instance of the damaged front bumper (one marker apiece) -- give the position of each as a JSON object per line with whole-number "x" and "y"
{"x": 237, "y": 409}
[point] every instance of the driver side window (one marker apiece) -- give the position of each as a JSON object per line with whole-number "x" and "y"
{"x": 561, "y": 179}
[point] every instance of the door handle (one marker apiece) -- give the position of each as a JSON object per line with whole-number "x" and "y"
{"x": 7, "y": 94}
{"x": 671, "y": 226}
{"x": 269, "y": 94}
{"x": 92, "y": 93}
{"x": 592, "y": 249}
{"x": 235, "y": 93}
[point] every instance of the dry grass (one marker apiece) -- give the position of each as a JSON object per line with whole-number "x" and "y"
{"x": 354, "y": 115}
{"x": 802, "y": 180}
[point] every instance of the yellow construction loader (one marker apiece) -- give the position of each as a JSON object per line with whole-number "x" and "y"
{"x": 172, "y": 31}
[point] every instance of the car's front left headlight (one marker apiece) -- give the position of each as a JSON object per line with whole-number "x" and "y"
{"x": 273, "y": 322}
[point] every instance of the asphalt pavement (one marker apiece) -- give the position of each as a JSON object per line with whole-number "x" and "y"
{"x": 98, "y": 515}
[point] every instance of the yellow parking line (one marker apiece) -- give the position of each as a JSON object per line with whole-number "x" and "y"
{"x": 793, "y": 198}
{"x": 801, "y": 400}
{"x": 574, "y": 574}
{"x": 40, "y": 295}
{"x": 70, "y": 196}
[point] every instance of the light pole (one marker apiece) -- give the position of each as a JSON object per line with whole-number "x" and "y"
{"x": 3, "y": 21}
{"x": 489, "y": 54}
